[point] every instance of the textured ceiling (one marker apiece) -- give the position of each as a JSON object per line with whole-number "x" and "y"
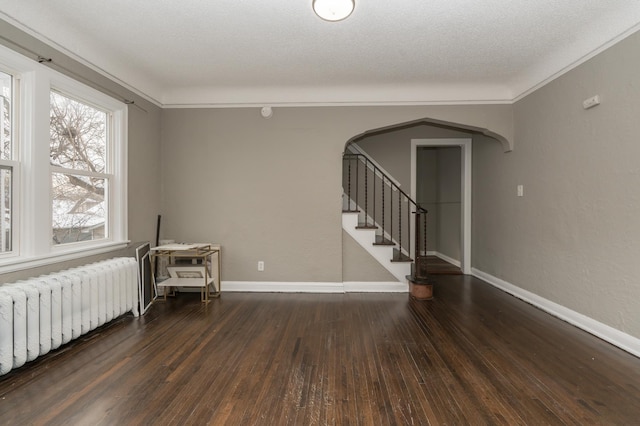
{"x": 235, "y": 52}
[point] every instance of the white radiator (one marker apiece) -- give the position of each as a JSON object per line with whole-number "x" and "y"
{"x": 40, "y": 314}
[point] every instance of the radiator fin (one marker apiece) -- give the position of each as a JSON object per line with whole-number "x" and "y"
{"x": 42, "y": 313}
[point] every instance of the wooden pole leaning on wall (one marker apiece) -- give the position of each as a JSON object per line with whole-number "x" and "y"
{"x": 157, "y": 241}
{"x": 158, "y": 230}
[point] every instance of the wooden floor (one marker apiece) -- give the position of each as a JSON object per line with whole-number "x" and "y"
{"x": 472, "y": 355}
{"x": 437, "y": 266}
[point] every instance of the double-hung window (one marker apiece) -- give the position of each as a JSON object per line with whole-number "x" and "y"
{"x": 63, "y": 166}
{"x": 78, "y": 153}
{"x": 8, "y": 165}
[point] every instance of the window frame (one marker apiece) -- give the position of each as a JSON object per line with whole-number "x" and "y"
{"x": 32, "y": 234}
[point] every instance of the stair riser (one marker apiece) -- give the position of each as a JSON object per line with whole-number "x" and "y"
{"x": 383, "y": 254}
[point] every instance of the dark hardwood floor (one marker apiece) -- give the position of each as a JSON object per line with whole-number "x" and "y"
{"x": 437, "y": 266}
{"x": 472, "y": 355}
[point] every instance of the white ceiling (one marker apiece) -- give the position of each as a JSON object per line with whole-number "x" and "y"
{"x": 256, "y": 52}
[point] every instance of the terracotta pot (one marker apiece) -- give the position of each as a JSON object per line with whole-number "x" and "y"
{"x": 421, "y": 291}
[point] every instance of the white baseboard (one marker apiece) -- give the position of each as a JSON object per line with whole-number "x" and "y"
{"x": 375, "y": 287}
{"x": 607, "y": 333}
{"x": 314, "y": 287}
{"x": 282, "y": 287}
{"x": 446, "y": 258}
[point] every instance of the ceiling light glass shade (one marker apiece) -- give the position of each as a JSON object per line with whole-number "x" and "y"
{"x": 333, "y": 10}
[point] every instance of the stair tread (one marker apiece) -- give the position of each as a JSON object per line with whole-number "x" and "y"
{"x": 404, "y": 259}
{"x": 381, "y": 241}
{"x": 365, "y": 226}
{"x": 398, "y": 256}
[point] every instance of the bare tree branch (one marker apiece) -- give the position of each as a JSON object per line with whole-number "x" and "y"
{"x": 78, "y": 141}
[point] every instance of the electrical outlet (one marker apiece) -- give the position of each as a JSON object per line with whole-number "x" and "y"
{"x": 260, "y": 266}
{"x": 520, "y": 190}
{"x": 591, "y": 102}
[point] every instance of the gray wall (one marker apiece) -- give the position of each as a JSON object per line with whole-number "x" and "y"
{"x": 449, "y": 207}
{"x": 392, "y": 150}
{"x": 271, "y": 189}
{"x": 439, "y": 173}
{"x": 144, "y": 173}
{"x": 359, "y": 265}
{"x": 144, "y": 149}
{"x": 427, "y": 191}
{"x": 438, "y": 189}
{"x": 574, "y": 237}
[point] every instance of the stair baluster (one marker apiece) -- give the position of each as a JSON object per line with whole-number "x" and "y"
{"x": 399, "y": 226}
{"x": 404, "y": 224}
{"x": 366, "y": 194}
{"x": 383, "y": 208}
{"x": 348, "y": 184}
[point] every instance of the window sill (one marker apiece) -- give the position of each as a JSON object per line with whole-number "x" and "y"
{"x": 15, "y": 264}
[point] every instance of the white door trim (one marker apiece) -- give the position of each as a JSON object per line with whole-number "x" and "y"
{"x": 465, "y": 226}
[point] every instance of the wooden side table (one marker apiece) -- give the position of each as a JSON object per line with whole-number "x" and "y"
{"x": 198, "y": 273}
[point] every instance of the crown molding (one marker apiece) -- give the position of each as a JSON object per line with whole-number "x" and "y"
{"x": 83, "y": 61}
{"x": 534, "y": 83}
{"x": 330, "y": 104}
{"x": 344, "y": 95}
{"x": 374, "y": 95}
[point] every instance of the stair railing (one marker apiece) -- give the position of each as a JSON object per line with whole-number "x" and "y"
{"x": 383, "y": 206}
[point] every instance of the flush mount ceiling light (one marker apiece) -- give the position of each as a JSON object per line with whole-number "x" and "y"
{"x": 333, "y": 10}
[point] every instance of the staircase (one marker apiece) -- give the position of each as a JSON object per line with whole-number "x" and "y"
{"x": 383, "y": 253}
{"x": 383, "y": 219}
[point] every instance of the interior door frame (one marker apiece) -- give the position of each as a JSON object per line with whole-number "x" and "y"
{"x": 465, "y": 190}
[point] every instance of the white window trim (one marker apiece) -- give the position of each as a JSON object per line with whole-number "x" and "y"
{"x": 33, "y": 246}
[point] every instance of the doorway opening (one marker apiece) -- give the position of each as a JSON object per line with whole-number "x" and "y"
{"x": 441, "y": 183}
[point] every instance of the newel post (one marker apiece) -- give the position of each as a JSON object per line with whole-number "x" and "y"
{"x": 420, "y": 286}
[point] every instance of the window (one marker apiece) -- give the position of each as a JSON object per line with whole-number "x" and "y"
{"x": 7, "y": 164}
{"x": 78, "y": 151}
{"x": 68, "y": 198}
{"x": 6, "y": 92}
{"x": 6, "y": 196}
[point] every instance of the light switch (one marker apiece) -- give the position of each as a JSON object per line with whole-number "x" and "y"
{"x": 520, "y": 190}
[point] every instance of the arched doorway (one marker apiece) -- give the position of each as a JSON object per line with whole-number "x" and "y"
{"x": 393, "y": 150}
